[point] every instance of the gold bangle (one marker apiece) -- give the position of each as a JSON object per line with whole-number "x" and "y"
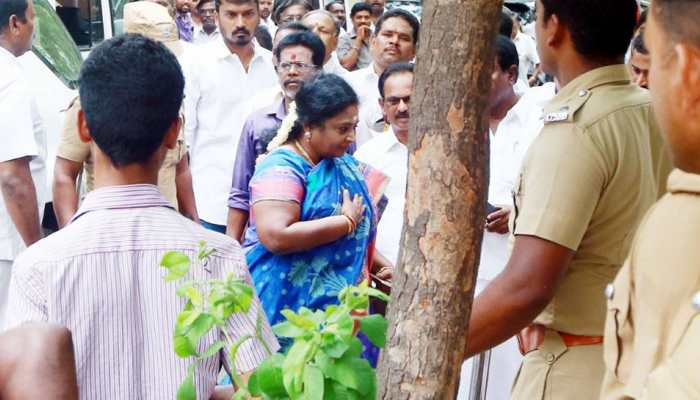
{"x": 349, "y": 222}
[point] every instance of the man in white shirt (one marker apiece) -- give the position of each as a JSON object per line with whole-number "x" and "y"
{"x": 23, "y": 151}
{"x": 388, "y": 153}
{"x": 527, "y": 54}
{"x": 266, "y": 16}
{"x": 394, "y": 41}
{"x": 322, "y": 23}
{"x": 514, "y": 122}
{"x": 218, "y": 102}
{"x": 208, "y": 31}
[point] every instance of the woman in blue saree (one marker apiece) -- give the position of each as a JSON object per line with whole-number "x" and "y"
{"x": 314, "y": 215}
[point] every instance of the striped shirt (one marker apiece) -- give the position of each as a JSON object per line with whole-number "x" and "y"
{"x": 100, "y": 277}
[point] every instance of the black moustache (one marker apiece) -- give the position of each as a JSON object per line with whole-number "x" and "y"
{"x": 402, "y": 115}
{"x": 244, "y": 31}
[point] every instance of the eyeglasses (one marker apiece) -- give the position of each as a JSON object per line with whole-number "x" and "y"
{"x": 300, "y": 66}
{"x": 292, "y": 18}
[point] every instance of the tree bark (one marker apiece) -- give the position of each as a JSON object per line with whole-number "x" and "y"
{"x": 434, "y": 283}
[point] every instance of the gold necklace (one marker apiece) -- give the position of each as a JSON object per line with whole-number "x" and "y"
{"x": 303, "y": 152}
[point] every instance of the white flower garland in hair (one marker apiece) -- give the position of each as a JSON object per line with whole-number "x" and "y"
{"x": 283, "y": 132}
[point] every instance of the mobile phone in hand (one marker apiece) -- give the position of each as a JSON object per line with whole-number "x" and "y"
{"x": 490, "y": 209}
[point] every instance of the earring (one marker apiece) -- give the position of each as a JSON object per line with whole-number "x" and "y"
{"x": 307, "y": 136}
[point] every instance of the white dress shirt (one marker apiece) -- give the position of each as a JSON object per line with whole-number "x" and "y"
{"x": 385, "y": 153}
{"x": 365, "y": 81}
{"x": 515, "y": 134}
{"x": 527, "y": 55}
{"x": 201, "y": 37}
{"x": 22, "y": 135}
{"x": 217, "y": 104}
{"x": 270, "y": 25}
{"x": 333, "y": 66}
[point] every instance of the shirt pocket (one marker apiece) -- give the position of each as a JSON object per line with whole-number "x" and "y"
{"x": 617, "y": 324}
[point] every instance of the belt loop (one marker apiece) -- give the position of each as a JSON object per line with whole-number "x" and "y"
{"x": 552, "y": 347}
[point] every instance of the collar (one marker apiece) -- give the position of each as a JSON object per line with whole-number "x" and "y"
{"x": 122, "y": 197}
{"x": 9, "y": 57}
{"x": 582, "y": 85}
{"x": 201, "y": 31}
{"x": 683, "y": 182}
{"x": 222, "y": 52}
{"x": 277, "y": 109}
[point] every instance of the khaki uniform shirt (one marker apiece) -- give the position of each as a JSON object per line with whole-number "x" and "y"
{"x": 585, "y": 184}
{"x": 652, "y": 334}
{"x": 71, "y": 148}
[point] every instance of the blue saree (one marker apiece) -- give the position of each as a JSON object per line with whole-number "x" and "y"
{"x": 315, "y": 277}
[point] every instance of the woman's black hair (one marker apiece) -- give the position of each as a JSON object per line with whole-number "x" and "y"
{"x": 281, "y": 5}
{"x": 320, "y": 99}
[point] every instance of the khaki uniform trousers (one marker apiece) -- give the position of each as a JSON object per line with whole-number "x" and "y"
{"x": 555, "y": 372}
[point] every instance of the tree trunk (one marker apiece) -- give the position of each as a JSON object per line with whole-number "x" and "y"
{"x": 434, "y": 283}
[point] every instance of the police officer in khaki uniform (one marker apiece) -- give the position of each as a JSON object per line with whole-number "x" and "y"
{"x": 652, "y": 335}
{"x": 174, "y": 180}
{"x": 585, "y": 184}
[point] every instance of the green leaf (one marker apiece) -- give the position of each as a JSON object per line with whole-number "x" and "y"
{"x": 293, "y": 367}
{"x": 375, "y": 326}
{"x": 213, "y": 349}
{"x": 313, "y": 383}
{"x": 297, "y": 320}
{"x": 187, "y": 391}
{"x": 268, "y": 378}
{"x": 195, "y": 296}
{"x": 286, "y": 329}
{"x": 201, "y": 326}
{"x": 378, "y": 294}
{"x": 333, "y": 346}
{"x": 355, "y": 373}
{"x": 184, "y": 347}
{"x": 176, "y": 263}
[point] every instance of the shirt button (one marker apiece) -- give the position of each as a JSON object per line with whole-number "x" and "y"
{"x": 549, "y": 358}
{"x": 583, "y": 93}
{"x": 696, "y": 301}
{"x": 610, "y": 291}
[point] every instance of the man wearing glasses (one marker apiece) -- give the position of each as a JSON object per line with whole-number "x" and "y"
{"x": 299, "y": 57}
{"x": 209, "y": 31}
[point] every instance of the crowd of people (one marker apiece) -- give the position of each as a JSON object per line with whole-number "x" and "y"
{"x": 277, "y": 133}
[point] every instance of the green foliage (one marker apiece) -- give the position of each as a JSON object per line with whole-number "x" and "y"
{"x": 324, "y": 361}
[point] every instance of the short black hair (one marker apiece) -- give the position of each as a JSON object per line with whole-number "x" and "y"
{"x": 131, "y": 90}
{"x": 393, "y": 69}
{"x": 309, "y": 40}
{"x": 237, "y": 2}
{"x": 361, "y": 6}
{"x": 679, "y": 19}
{"x": 506, "y": 27}
{"x": 262, "y": 35}
{"x": 600, "y": 29}
{"x": 203, "y": 2}
{"x": 332, "y": 3}
{"x": 8, "y": 8}
{"x": 399, "y": 13}
{"x": 506, "y": 53}
{"x": 321, "y": 98}
{"x": 292, "y": 26}
{"x": 281, "y": 5}
{"x": 638, "y": 44}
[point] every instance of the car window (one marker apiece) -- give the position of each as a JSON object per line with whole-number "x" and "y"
{"x": 54, "y": 45}
{"x": 118, "y": 16}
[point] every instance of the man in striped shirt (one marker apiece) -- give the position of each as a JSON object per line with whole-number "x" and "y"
{"x": 99, "y": 276}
